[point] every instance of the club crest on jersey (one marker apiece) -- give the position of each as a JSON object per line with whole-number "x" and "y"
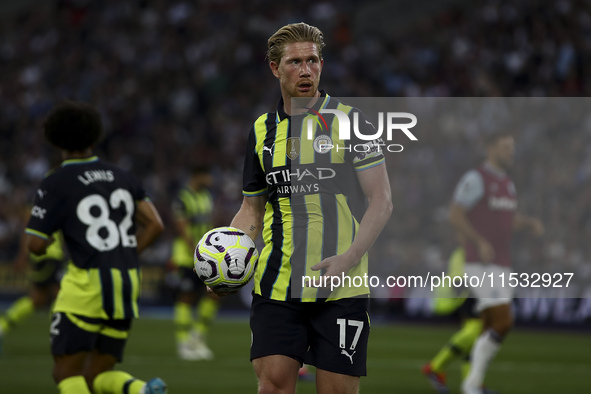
{"x": 292, "y": 148}
{"x": 322, "y": 144}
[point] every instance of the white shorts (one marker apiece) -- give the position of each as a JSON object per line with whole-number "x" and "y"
{"x": 489, "y": 293}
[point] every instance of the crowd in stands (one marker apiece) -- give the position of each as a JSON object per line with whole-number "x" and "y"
{"x": 180, "y": 82}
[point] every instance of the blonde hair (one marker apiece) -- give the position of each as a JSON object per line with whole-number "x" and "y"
{"x": 294, "y": 32}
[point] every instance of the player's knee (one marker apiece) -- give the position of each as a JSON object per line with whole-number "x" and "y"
{"x": 61, "y": 372}
{"x": 89, "y": 376}
{"x": 56, "y": 375}
{"x": 67, "y": 366}
{"x": 275, "y": 386}
{"x": 503, "y": 326}
{"x": 90, "y": 382}
{"x": 329, "y": 382}
{"x": 275, "y": 382}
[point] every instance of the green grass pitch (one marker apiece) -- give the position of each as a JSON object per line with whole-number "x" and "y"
{"x": 530, "y": 362}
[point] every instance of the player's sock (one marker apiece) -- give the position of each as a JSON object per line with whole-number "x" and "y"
{"x": 465, "y": 367}
{"x": 182, "y": 321}
{"x": 485, "y": 348}
{"x": 18, "y": 311}
{"x": 459, "y": 345}
{"x": 207, "y": 310}
{"x": 443, "y": 357}
{"x": 3, "y": 325}
{"x": 117, "y": 382}
{"x": 73, "y": 385}
{"x": 468, "y": 335}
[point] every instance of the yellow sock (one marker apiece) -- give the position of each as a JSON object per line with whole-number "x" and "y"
{"x": 207, "y": 310}
{"x": 18, "y": 311}
{"x": 117, "y": 382}
{"x": 459, "y": 344}
{"x": 182, "y": 321}
{"x": 442, "y": 358}
{"x": 470, "y": 332}
{"x": 73, "y": 385}
{"x": 465, "y": 368}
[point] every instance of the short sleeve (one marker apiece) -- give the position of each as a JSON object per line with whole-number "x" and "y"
{"x": 138, "y": 191}
{"x": 469, "y": 190}
{"x": 47, "y": 212}
{"x": 366, "y": 154}
{"x": 253, "y": 177}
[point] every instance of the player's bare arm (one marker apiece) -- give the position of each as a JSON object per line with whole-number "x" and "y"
{"x": 37, "y": 245}
{"x": 528, "y": 223}
{"x": 250, "y": 215}
{"x": 21, "y": 260}
{"x": 459, "y": 220}
{"x": 150, "y": 224}
{"x": 376, "y": 187}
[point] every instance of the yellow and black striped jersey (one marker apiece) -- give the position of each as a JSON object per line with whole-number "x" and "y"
{"x": 93, "y": 204}
{"x": 314, "y": 200}
{"x": 196, "y": 207}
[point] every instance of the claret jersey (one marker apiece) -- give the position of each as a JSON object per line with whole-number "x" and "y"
{"x": 490, "y": 199}
{"x": 93, "y": 203}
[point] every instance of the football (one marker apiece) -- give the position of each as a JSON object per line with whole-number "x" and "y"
{"x": 225, "y": 259}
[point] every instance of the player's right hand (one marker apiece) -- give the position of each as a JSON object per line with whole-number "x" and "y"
{"x": 211, "y": 291}
{"x": 486, "y": 251}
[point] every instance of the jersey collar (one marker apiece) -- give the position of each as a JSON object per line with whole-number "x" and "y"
{"x": 91, "y": 159}
{"x": 280, "y": 114}
{"x": 494, "y": 170}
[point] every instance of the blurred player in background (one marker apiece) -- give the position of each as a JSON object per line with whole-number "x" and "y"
{"x": 45, "y": 275}
{"x": 193, "y": 209}
{"x": 106, "y": 219}
{"x": 483, "y": 211}
{"x": 454, "y": 301}
{"x": 326, "y": 329}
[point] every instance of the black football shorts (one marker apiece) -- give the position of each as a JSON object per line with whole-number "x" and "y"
{"x": 71, "y": 334}
{"x": 330, "y": 335}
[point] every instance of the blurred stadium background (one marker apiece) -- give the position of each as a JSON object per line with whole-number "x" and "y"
{"x": 180, "y": 82}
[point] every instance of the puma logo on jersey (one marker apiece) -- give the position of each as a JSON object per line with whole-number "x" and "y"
{"x": 270, "y": 149}
{"x": 348, "y": 355}
{"x": 41, "y": 193}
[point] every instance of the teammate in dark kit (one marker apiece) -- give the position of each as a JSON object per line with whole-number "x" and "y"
{"x": 106, "y": 219}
